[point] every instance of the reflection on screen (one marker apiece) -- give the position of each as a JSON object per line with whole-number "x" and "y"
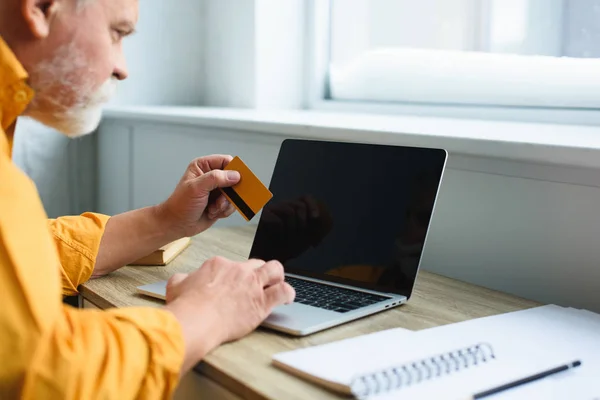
{"x": 351, "y": 213}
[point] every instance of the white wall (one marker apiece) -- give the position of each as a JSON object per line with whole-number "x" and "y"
{"x": 42, "y": 154}
{"x": 64, "y": 170}
{"x": 165, "y": 56}
{"x": 528, "y": 229}
{"x": 532, "y": 237}
{"x": 254, "y": 53}
{"x": 229, "y": 49}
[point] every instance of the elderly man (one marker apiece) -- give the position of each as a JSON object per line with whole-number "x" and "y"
{"x": 59, "y": 61}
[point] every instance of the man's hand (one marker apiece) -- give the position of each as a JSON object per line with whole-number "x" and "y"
{"x": 223, "y": 301}
{"x": 195, "y": 205}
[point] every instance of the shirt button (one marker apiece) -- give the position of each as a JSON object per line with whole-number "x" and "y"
{"x": 20, "y": 96}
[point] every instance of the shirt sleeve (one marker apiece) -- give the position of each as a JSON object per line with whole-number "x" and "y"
{"x": 133, "y": 353}
{"x": 77, "y": 240}
{"x": 49, "y": 350}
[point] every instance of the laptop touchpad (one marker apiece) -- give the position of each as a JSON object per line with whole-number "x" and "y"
{"x": 297, "y": 316}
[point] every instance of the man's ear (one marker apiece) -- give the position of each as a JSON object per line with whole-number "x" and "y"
{"x": 38, "y": 14}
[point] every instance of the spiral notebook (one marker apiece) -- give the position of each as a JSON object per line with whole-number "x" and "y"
{"x": 350, "y": 373}
{"x": 447, "y": 362}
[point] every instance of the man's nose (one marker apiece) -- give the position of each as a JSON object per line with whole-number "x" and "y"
{"x": 120, "y": 72}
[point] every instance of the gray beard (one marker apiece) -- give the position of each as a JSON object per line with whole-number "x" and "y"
{"x": 75, "y": 106}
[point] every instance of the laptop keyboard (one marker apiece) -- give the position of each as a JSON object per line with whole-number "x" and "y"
{"x": 331, "y": 297}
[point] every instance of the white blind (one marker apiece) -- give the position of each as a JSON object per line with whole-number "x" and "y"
{"x": 540, "y": 53}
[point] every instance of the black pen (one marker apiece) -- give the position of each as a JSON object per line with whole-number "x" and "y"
{"x": 528, "y": 379}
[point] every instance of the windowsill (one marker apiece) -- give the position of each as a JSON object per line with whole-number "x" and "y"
{"x": 559, "y": 144}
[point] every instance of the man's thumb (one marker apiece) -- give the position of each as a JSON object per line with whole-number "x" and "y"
{"x": 217, "y": 178}
{"x": 172, "y": 286}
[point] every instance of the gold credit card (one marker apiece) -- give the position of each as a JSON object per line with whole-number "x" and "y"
{"x": 249, "y": 195}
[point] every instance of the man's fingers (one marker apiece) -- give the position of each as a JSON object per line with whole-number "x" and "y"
{"x": 270, "y": 273}
{"x": 215, "y": 161}
{"x": 254, "y": 263}
{"x": 172, "y": 286}
{"x": 221, "y": 208}
{"x": 202, "y": 165}
{"x": 228, "y": 211}
{"x": 216, "y": 179}
{"x": 281, "y": 293}
{"x": 223, "y": 205}
{"x": 176, "y": 279}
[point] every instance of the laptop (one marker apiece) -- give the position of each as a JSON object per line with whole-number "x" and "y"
{"x": 349, "y": 222}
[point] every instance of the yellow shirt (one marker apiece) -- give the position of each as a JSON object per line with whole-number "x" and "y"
{"x": 48, "y": 349}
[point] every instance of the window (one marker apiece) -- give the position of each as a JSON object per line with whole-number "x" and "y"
{"x": 517, "y": 53}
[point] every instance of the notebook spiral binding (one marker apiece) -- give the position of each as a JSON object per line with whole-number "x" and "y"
{"x": 421, "y": 370}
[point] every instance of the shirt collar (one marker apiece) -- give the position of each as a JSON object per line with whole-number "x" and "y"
{"x": 15, "y": 94}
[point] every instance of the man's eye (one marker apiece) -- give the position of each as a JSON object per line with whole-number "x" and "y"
{"x": 119, "y": 34}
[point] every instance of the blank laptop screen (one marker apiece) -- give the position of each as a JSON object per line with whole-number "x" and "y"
{"x": 350, "y": 213}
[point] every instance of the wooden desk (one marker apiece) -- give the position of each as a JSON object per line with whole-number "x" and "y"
{"x": 243, "y": 368}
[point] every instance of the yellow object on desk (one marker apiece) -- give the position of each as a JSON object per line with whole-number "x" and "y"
{"x": 165, "y": 254}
